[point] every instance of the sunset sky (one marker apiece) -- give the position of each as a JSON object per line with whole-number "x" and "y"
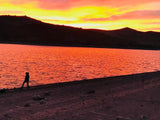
{"x": 142, "y": 15}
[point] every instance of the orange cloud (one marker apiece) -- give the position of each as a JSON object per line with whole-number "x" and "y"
{"x": 147, "y": 14}
{"x": 68, "y": 4}
{"x": 79, "y": 3}
{"x": 5, "y": 12}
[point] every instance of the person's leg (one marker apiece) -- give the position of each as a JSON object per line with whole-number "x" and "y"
{"x": 28, "y": 84}
{"x": 22, "y": 84}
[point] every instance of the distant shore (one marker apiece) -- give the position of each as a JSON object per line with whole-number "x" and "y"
{"x": 84, "y": 46}
{"x": 129, "y": 97}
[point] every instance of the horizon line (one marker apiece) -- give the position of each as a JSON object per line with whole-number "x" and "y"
{"x": 83, "y": 27}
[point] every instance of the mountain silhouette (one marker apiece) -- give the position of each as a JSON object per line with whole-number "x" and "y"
{"x": 25, "y": 30}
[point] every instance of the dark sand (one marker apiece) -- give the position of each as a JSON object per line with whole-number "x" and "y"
{"x": 130, "y": 97}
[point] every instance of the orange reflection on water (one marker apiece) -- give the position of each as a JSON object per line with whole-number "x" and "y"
{"x": 60, "y": 64}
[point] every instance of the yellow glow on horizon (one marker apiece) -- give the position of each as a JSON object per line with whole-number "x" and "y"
{"x": 8, "y": 7}
{"x": 72, "y": 14}
{"x": 141, "y": 25}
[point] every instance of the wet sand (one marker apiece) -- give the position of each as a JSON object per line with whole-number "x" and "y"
{"x": 130, "y": 97}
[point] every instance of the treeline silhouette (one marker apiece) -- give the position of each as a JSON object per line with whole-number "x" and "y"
{"x": 25, "y": 30}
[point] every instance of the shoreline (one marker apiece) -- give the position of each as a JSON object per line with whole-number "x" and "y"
{"x": 112, "y": 80}
{"x": 129, "y": 97}
{"x": 80, "y": 46}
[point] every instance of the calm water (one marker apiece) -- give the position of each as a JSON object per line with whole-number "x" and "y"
{"x": 58, "y": 64}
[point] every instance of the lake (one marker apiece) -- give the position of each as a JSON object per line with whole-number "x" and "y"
{"x": 50, "y": 64}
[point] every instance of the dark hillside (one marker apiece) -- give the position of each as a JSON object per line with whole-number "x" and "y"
{"x": 25, "y": 30}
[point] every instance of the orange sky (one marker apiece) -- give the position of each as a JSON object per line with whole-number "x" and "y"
{"x": 142, "y": 15}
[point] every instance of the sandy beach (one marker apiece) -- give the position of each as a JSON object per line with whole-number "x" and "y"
{"x": 130, "y": 97}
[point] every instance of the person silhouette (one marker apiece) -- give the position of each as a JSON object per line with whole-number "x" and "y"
{"x": 26, "y": 80}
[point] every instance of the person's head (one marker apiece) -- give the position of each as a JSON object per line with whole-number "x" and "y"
{"x": 27, "y": 73}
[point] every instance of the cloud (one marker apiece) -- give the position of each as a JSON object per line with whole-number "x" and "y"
{"x": 68, "y": 4}
{"x": 11, "y": 12}
{"x": 146, "y": 14}
{"x": 153, "y": 5}
{"x": 153, "y": 23}
{"x": 151, "y": 29}
{"x": 43, "y": 4}
{"x": 54, "y": 4}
